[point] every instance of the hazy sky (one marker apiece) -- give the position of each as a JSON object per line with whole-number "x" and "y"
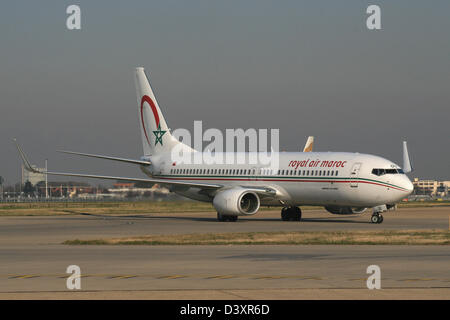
{"x": 305, "y": 67}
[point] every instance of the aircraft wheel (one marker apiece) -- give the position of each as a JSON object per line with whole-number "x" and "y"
{"x": 291, "y": 214}
{"x": 285, "y": 214}
{"x": 376, "y": 218}
{"x": 297, "y": 213}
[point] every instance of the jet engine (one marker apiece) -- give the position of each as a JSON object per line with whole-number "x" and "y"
{"x": 344, "y": 210}
{"x": 236, "y": 202}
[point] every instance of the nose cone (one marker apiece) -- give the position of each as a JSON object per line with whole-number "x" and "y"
{"x": 407, "y": 184}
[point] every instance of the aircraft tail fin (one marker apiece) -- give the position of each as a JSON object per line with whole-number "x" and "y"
{"x": 156, "y": 136}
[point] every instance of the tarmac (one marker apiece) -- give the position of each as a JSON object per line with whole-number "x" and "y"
{"x": 33, "y": 260}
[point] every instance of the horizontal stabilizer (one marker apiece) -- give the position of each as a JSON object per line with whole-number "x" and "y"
{"x": 25, "y": 161}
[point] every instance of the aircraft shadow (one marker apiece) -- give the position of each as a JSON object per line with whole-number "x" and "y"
{"x": 214, "y": 219}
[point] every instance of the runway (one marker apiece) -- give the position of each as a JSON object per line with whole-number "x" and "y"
{"x": 33, "y": 261}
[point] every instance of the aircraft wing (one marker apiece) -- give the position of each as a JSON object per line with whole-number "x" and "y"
{"x": 407, "y": 167}
{"x": 208, "y": 186}
{"x": 140, "y": 162}
{"x": 158, "y": 181}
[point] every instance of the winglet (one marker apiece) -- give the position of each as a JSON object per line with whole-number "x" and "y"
{"x": 25, "y": 161}
{"x": 406, "y": 162}
{"x": 309, "y": 144}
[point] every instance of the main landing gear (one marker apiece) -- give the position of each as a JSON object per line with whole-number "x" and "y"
{"x": 376, "y": 218}
{"x": 291, "y": 214}
{"x": 224, "y": 217}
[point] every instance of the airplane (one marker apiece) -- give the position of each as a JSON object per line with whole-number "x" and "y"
{"x": 343, "y": 183}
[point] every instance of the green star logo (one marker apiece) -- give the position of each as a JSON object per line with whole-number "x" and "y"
{"x": 159, "y": 134}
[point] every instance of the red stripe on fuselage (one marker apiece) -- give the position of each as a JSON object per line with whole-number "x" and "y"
{"x": 282, "y": 180}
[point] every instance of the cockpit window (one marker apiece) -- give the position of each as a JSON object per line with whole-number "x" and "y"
{"x": 380, "y": 172}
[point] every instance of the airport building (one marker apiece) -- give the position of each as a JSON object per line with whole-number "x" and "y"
{"x": 129, "y": 190}
{"x": 431, "y": 187}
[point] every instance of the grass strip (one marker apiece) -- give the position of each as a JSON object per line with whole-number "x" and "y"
{"x": 403, "y": 237}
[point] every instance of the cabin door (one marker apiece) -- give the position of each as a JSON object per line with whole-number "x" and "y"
{"x": 354, "y": 174}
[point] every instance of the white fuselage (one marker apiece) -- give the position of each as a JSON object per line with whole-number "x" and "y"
{"x": 301, "y": 178}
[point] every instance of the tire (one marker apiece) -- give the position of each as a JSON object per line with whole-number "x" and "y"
{"x": 380, "y": 219}
{"x": 375, "y": 218}
{"x": 291, "y": 214}
{"x": 298, "y": 214}
{"x": 285, "y": 214}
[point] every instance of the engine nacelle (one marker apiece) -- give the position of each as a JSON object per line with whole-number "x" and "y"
{"x": 236, "y": 202}
{"x": 344, "y": 210}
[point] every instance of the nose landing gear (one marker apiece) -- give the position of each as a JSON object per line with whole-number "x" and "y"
{"x": 376, "y": 215}
{"x": 376, "y": 218}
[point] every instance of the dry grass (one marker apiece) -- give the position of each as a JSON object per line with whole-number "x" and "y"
{"x": 405, "y": 237}
{"x": 131, "y": 207}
